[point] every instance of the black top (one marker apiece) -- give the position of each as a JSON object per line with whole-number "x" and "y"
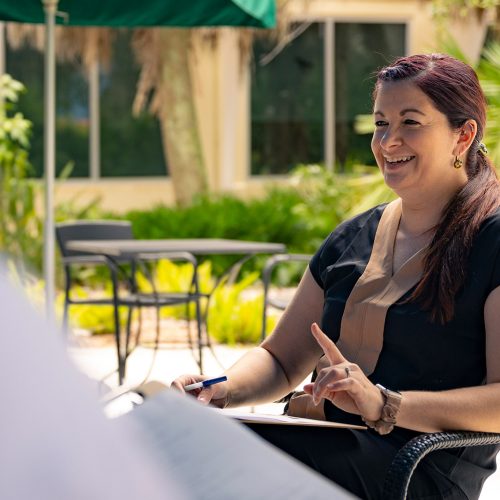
{"x": 417, "y": 354}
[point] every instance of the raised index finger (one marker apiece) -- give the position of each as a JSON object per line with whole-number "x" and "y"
{"x": 329, "y": 348}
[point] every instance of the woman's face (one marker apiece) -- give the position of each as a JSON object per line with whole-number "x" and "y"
{"x": 413, "y": 142}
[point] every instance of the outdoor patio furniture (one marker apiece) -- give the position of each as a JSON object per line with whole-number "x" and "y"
{"x": 408, "y": 457}
{"x": 114, "y": 249}
{"x": 87, "y": 230}
{"x": 122, "y": 269}
{"x": 267, "y": 273}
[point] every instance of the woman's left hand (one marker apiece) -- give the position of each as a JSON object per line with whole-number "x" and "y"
{"x": 344, "y": 383}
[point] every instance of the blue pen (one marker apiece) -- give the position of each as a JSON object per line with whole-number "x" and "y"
{"x": 205, "y": 383}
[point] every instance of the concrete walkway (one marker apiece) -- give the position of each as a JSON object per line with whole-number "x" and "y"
{"x": 98, "y": 361}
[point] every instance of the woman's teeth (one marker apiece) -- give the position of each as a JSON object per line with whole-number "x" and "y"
{"x": 401, "y": 159}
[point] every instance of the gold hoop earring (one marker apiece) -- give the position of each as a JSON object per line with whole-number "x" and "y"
{"x": 458, "y": 163}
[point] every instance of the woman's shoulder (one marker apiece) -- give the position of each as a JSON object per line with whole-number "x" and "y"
{"x": 347, "y": 230}
{"x": 493, "y": 219}
{"x": 370, "y": 217}
{"x": 486, "y": 249}
{"x": 358, "y": 231}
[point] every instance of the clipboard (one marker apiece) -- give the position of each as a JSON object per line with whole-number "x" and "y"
{"x": 262, "y": 418}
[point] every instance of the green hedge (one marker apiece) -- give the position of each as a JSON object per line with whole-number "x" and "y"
{"x": 271, "y": 219}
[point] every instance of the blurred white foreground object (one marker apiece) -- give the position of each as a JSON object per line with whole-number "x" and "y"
{"x": 56, "y": 442}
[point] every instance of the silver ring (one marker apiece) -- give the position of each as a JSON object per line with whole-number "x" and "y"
{"x": 347, "y": 372}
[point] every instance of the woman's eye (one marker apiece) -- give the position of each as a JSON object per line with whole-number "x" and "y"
{"x": 411, "y": 122}
{"x": 380, "y": 123}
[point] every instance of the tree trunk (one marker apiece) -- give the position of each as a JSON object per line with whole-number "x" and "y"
{"x": 177, "y": 114}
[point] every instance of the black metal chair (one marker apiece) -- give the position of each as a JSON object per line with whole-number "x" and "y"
{"x": 408, "y": 457}
{"x": 127, "y": 295}
{"x": 267, "y": 273}
{"x": 87, "y": 230}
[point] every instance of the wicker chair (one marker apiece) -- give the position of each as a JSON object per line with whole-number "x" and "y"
{"x": 408, "y": 457}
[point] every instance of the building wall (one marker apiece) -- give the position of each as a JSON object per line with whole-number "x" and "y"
{"x": 468, "y": 32}
{"x": 222, "y": 97}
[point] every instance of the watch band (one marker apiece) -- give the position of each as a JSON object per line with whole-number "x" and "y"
{"x": 390, "y": 410}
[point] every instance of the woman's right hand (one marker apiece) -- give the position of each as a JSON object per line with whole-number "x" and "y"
{"x": 216, "y": 395}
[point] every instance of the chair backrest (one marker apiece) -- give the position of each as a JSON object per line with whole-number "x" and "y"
{"x": 91, "y": 230}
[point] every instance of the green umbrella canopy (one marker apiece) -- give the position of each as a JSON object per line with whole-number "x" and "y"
{"x": 122, "y": 13}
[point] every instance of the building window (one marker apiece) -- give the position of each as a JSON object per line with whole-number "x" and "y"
{"x": 72, "y": 127}
{"x": 360, "y": 49}
{"x": 287, "y": 104}
{"x": 288, "y": 94}
{"x": 130, "y": 146}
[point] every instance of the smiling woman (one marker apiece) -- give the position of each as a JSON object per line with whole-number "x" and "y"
{"x": 408, "y": 298}
{"x": 441, "y": 121}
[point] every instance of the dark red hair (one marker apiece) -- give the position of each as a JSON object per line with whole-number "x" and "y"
{"x": 454, "y": 89}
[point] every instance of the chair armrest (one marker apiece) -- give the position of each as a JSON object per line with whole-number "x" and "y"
{"x": 85, "y": 259}
{"x": 275, "y": 260}
{"x": 408, "y": 457}
{"x": 96, "y": 260}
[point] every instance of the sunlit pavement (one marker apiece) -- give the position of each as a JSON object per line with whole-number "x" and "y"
{"x": 99, "y": 363}
{"x": 163, "y": 365}
{"x": 175, "y": 359}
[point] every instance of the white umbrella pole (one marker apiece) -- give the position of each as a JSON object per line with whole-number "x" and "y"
{"x": 50, "y": 7}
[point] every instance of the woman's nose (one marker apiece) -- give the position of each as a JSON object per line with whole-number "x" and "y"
{"x": 391, "y": 138}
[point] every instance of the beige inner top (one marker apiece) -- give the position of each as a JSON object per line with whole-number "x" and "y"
{"x": 362, "y": 328}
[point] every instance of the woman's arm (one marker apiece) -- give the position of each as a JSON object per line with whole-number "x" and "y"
{"x": 279, "y": 364}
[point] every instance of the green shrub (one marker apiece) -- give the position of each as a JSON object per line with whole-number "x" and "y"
{"x": 172, "y": 277}
{"x": 269, "y": 219}
{"x": 234, "y": 318}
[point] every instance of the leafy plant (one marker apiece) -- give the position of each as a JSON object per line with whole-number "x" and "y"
{"x": 20, "y": 228}
{"x": 489, "y": 76}
{"x": 235, "y": 312}
{"x": 168, "y": 276}
{"x": 330, "y": 198}
{"x": 444, "y": 8}
{"x": 236, "y": 318}
{"x": 96, "y": 319}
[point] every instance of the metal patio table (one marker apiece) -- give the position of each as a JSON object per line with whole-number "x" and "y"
{"x": 117, "y": 250}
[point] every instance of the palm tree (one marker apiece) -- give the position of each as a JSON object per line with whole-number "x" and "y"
{"x": 164, "y": 55}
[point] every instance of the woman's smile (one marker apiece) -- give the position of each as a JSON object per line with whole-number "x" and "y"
{"x": 397, "y": 161}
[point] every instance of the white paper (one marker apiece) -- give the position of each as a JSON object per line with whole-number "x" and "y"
{"x": 263, "y": 418}
{"x": 216, "y": 458}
